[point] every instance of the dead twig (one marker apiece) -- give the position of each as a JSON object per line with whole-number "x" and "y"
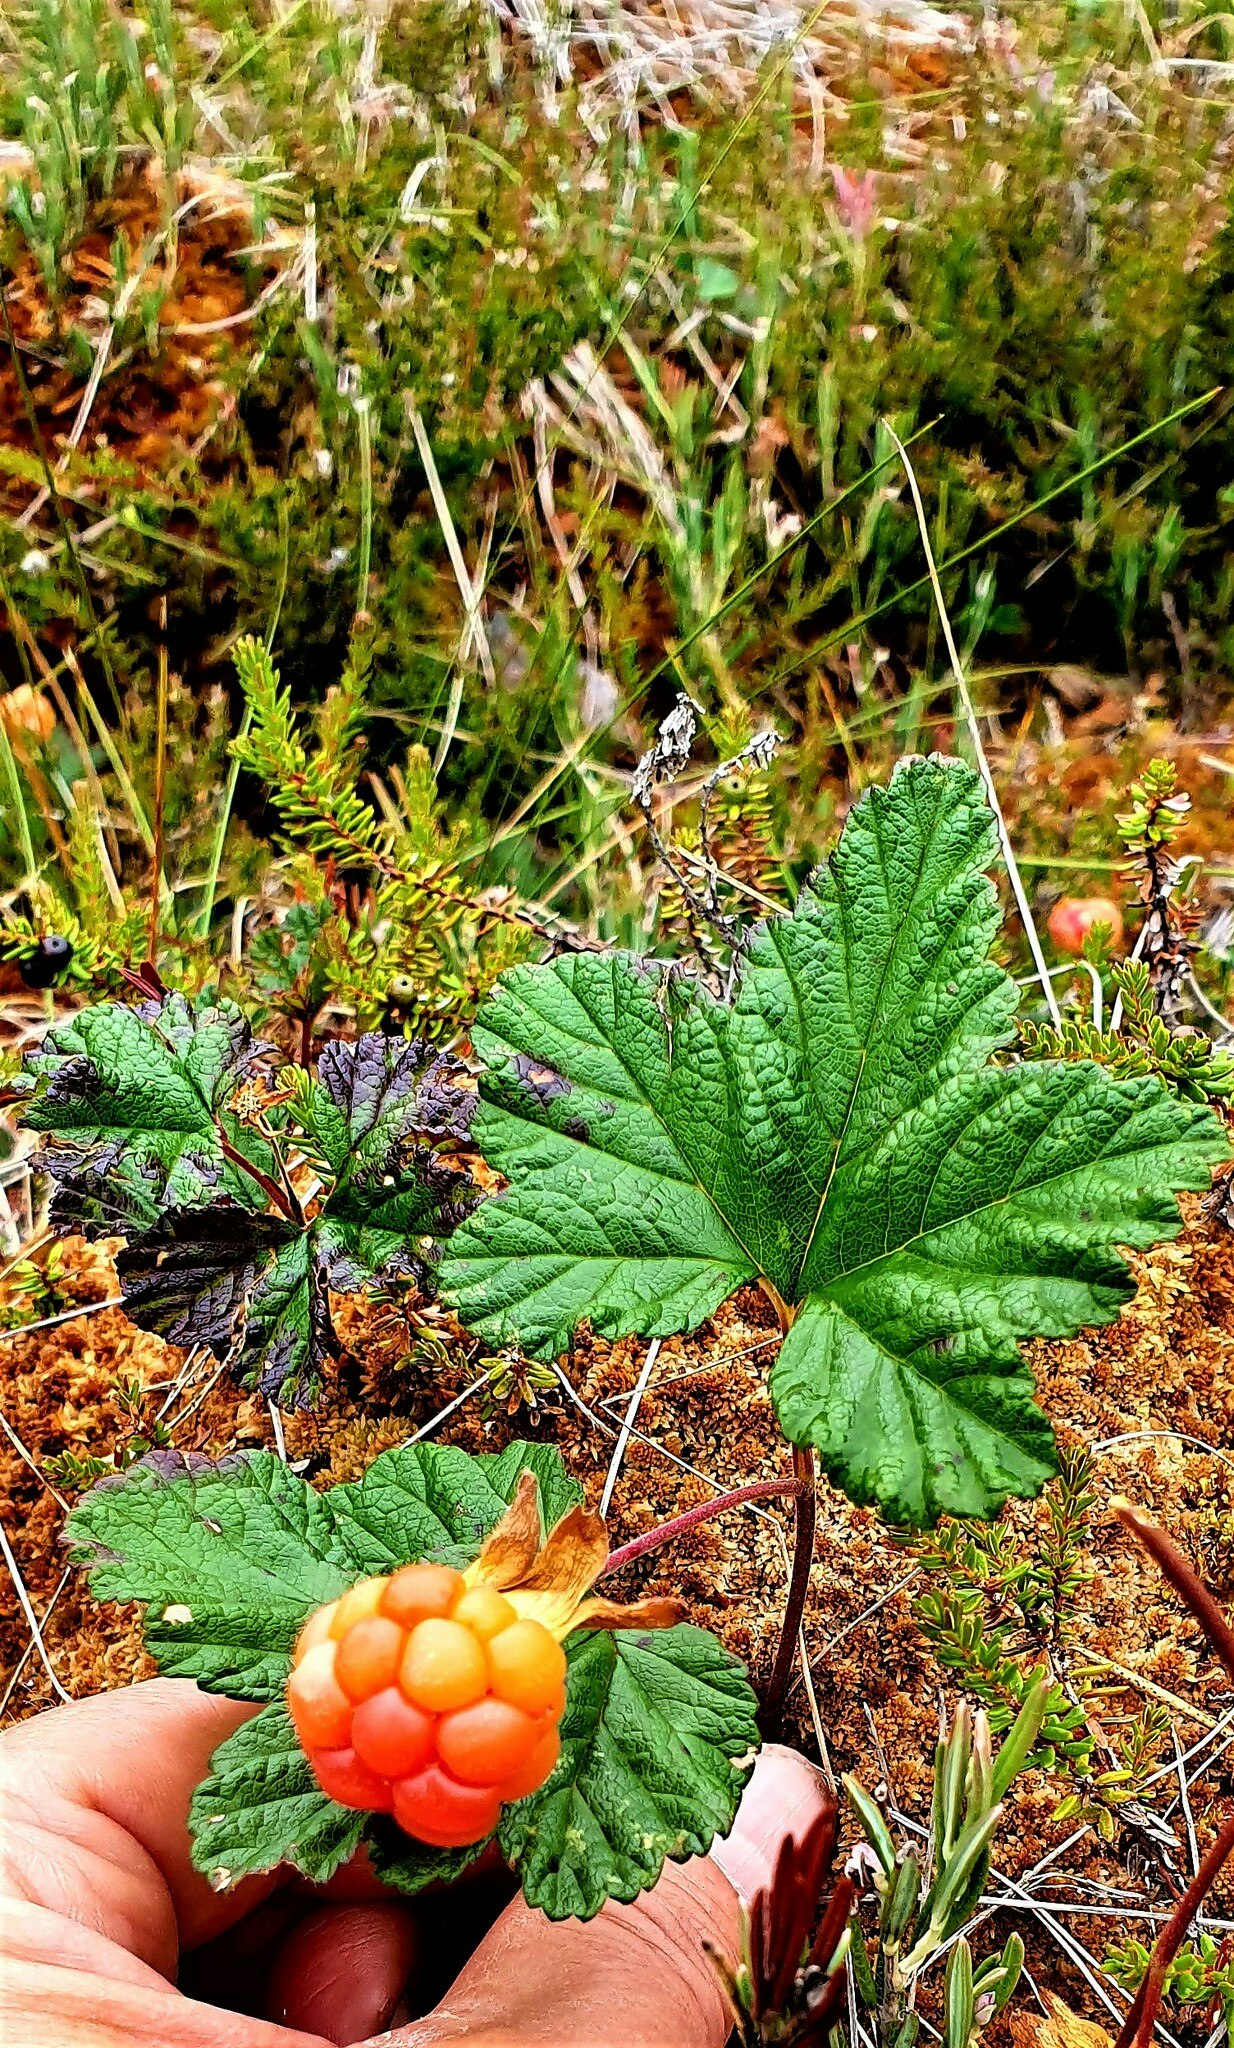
{"x": 68, "y": 1315}
{"x": 29, "y": 1650}
{"x": 665, "y": 762}
{"x": 1173, "y": 1566}
{"x": 631, "y": 1415}
{"x": 32, "y": 1620}
{"x": 1138, "y": 2026}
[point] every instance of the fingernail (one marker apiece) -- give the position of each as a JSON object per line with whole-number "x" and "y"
{"x": 785, "y": 1793}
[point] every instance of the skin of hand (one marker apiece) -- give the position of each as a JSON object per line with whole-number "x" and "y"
{"x": 100, "y": 1909}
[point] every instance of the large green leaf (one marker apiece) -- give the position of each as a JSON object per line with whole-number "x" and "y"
{"x": 658, "y": 1738}
{"x": 838, "y": 1133}
{"x": 261, "y": 1806}
{"x": 228, "y": 1558}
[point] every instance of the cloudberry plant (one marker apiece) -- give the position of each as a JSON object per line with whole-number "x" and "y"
{"x": 831, "y": 1127}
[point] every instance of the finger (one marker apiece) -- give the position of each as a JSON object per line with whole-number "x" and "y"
{"x": 95, "y": 1871}
{"x": 784, "y": 1797}
{"x": 33, "y": 1934}
{"x": 96, "y": 1798}
{"x": 346, "y": 1976}
{"x": 342, "y": 1970}
{"x": 561, "y": 1983}
{"x": 44, "y": 2006}
{"x": 350, "y": 1964}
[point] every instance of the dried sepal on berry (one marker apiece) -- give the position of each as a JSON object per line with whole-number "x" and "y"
{"x": 549, "y": 1579}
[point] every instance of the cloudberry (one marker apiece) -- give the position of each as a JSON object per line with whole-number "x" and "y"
{"x": 443, "y": 1666}
{"x": 487, "y": 1743}
{"x": 358, "y": 1603}
{"x": 418, "y": 1695}
{"x": 421, "y": 1590}
{"x": 1073, "y": 918}
{"x": 369, "y": 1655}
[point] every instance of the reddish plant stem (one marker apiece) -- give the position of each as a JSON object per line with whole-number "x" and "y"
{"x": 798, "y": 1586}
{"x": 282, "y": 1201}
{"x": 1138, "y": 2026}
{"x": 160, "y": 784}
{"x": 759, "y": 1489}
{"x": 1173, "y": 1566}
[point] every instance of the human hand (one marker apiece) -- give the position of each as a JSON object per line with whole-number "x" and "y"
{"x": 101, "y": 1911}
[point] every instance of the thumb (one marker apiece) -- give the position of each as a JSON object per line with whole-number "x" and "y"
{"x": 560, "y": 1984}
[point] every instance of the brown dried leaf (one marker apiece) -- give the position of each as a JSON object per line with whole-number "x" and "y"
{"x": 1060, "y": 2028}
{"x": 25, "y": 711}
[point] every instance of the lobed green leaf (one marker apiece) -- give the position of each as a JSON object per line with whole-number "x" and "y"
{"x": 431, "y": 1500}
{"x": 658, "y": 1738}
{"x": 838, "y": 1133}
{"x": 135, "y": 1106}
{"x": 228, "y": 1560}
{"x": 659, "y": 1732}
{"x": 261, "y": 1806}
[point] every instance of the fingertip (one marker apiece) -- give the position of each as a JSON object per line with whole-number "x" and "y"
{"x": 342, "y": 1971}
{"x": 786, "y": 1793}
